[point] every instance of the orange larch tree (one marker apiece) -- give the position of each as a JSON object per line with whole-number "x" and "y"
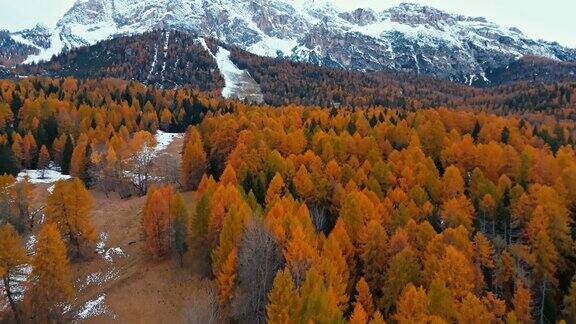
{"x": 156, "y": 220}
{"x": 50, "y": 284}
{"x": 68, "y": 206}
{"x": 13, "y": 257}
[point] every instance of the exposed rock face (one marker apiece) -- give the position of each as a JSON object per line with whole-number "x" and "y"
{"x": 406, "y": 37}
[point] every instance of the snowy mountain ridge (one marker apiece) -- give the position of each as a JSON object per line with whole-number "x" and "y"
{"x": 407, "y": 37}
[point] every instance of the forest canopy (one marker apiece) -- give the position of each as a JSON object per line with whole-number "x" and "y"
{"x": 309, "y": 214}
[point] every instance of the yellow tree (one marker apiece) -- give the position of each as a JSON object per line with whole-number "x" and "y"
{"x": 300, "y": 255}
{"x": 442, "y": 301}
{"x": 281, "y": 299}
{"x": 229, "y": 237}
{"x": 194, "y": 160}
{"x": 377, "y": 318}
{"x": 317, "y": 302}
{"x": 274, "y": 188}
{"x": 457, "y": 211}
{"x": 356, "y": 212}
{"x": 79, "y": 160}
{"x": 43, "y": 160}
{"x": 226, "y": 278}
{"x": 521, "y": 302}
{"x": 452, "y": 182}
{"x": 404, "y": 268}
{"x": 333, "y": 267}
{"x": 18, "y": 149}
{"x": 12, "y": 258}
{"x": 68, "y": 207}
{"x": 50, "y": 284}
{"x": 30, "y": 150}
{"x": 156, "y": 220}
{"x": 358, "y": 315}
{"x": 472, "y": 310}
{"x": 544, "y": 255}
{"x": 364, "y": 297}
{"x": 181, "y": 226}
{"x": 303, "y": 183}
{"x": 375, "y": 261}
{"x": 412, "y": 306}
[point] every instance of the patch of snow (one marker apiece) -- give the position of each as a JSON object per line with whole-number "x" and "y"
{"x": 202, "y": 42}
{"x": 35, "y": 176}
{"x": 163, "y": 139}
{"x": 98, "y": 278}
{"x": 56, "y": 47}
{"x": 237, "y": 83}
{"x": 271, "y": 46}
{"x": 108, "y": 256}
{"x": 66, "y": 308}
{"x": 93, "y": 33}
{"x": 31, "y": 243}
{"x": 154, "y": 61}
{"x": 101, "y": 244}
{"x": 51, "y": 188}
{"x": 94, "y": 307}
{"x": 18, "y": 281}
{"x": 108, "y": 253}
{"x": 18, "y": 38}
{"x": 166, "y": 41}
{"x": 230, "y": 72}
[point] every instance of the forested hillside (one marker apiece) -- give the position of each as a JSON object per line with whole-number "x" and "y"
{"x": 291, "y": 214}
{"x": 166, "y": 59}
{"x": 171, "y": 59}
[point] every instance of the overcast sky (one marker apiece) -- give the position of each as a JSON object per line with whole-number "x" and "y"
{"x": 552, "y": 20}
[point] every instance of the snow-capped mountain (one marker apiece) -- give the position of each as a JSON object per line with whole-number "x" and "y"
{"x": 406, "y": 37}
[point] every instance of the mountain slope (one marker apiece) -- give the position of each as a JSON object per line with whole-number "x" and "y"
{"x": 165, "y": 59}
{"x": 407, "y": 37}
{"x": 170, "y": 59}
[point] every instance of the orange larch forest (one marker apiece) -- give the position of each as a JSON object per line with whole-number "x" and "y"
{"x": 300, "y": 214}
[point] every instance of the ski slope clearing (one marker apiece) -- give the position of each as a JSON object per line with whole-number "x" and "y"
{"x": 238, "y": 83}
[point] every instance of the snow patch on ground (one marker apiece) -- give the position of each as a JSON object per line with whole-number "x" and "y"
{"x": 31, "y": 244}
{"x": 94, "y": 307}
{"x": 101, "y": 244}
{"x": 18, "y": 281}
{"x": 154, "y": 61}
{"x": 35, "y": 176}
{"x": 163, "y": 139}
{"x": 271, "y": 46}
{"x": 98, "y": 278}
{"x": 202, "y": 42}
{"x": 166, "y": 42}
{"x": 108, "y": 254}
{"x": 237, "y": 83}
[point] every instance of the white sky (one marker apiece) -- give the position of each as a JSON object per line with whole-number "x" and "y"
{"x": 551, "y": 20}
